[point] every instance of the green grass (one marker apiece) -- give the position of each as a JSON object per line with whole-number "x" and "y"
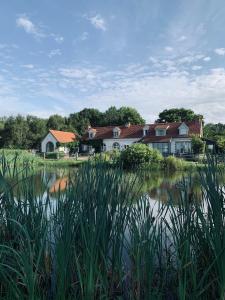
{"x": 24, "y": 156}
{"x": 102, "y": 239}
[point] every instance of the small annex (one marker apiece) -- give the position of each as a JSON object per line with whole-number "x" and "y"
{"x": 57, "y": 141}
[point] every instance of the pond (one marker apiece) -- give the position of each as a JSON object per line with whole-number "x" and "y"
{"x": 158, "y": 185}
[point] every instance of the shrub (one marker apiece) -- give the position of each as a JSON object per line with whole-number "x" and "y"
{"x": 172, "y": 163}
{"x": 138, "y": 155}
{"x": 198, "y": 146}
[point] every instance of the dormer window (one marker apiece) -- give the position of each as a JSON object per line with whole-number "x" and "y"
{"x": 91, "y": 133}
{"x": 160, "y": 130}
{"x": 183, "y": 129}
{"x": 145, "y": 130}
{"x": 116, "y": 132}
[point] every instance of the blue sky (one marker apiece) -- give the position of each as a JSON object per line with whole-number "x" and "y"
{"x": 59, "y": 56}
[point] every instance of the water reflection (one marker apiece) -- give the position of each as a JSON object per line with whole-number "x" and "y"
{"x": 159, "y": 186}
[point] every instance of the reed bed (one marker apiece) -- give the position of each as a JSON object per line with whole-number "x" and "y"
{"x": 101, "y": 238}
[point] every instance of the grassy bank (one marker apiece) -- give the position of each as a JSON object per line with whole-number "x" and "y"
{"x": 101, "y": 239}
{"x": 24, "y": 156}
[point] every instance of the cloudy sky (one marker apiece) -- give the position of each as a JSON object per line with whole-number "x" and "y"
{"x": 59, "y": 56}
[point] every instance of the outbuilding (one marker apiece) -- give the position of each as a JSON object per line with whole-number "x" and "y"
{"x": 57, "y": 141}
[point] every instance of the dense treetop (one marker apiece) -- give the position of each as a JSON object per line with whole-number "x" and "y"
{"x": 178, "y": 115}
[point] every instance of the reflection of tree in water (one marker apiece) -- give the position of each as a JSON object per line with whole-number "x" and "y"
{"x": 164, "y": 186}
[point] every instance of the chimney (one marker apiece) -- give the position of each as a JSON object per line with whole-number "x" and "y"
{"x": 127, "y": 125}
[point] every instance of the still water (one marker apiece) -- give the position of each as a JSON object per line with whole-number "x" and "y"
{"x": 159, "y": 186}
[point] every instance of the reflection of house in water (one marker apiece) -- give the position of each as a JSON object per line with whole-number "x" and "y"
{"x": 59, "y": 184}
{"x": 55, "y": 180}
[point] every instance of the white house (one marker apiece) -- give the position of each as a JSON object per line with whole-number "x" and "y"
{"x": 168, "y": 138}
{"x": 57, "y": 140}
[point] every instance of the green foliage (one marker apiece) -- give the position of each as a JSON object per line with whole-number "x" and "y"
{"x": 56, "y": 122}
{"x": 172, "y": 163}
{"x": 198, "y": 146}
{"x": 178, "y": 115}
{"x": 216, "y": 133}
{"x": 138, "y": 155}
{"x": 15, "y": 133}
{"x": 102, "y": 239}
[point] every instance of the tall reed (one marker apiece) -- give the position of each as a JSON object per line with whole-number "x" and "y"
{"x": 102, "y": 239}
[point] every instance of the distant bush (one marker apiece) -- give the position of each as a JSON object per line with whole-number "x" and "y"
{"x": 198, "y": 146}
{"x": 138, "y": 155}
{"x": 54, "y": 155}
{"x": 172, "y": 163}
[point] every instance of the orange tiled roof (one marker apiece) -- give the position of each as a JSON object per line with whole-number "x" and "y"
{"x": 63, "y": 136}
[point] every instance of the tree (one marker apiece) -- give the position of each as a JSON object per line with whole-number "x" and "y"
{"x": 36, "y": 132}
{"x": 131, "y": 115}
{"x": 198, "y": 146}
{"x": 111, "y": 116}
{"x": 121, "y": 116}
{"x": 216, "y": 133}
{"x": 94, "y": 116}
{"x": 15, "y": 131}
{"x": 56, "y": 122}
{"x": 178, "y": 115}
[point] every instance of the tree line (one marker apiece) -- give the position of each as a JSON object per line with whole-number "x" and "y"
{"x": 20, "y": 132}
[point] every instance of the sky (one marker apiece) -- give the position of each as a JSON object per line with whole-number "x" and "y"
{"x": 60, "y": 56}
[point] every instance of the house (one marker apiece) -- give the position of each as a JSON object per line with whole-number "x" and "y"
{"x": 57, "y": 140}
{"x": 168, "y": 138}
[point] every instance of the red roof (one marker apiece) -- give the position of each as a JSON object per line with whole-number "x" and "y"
{"x": 63, "y": 136}
{"x": 133, "y": 131}
{"x": 162, "y": 126}
{"x": 136, "y": 131}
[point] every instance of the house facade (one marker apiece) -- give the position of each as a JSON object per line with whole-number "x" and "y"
{"x": 57, "y": 141}
{"x": 168, "y": 138}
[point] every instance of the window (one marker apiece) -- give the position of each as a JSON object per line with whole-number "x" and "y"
{"x": 145, "y": 132}
{"x": 183, "y": 147}
{"x": 183, "y": 131}
{"x": 91, "y": 135}
{"x": 162, "y": 147}
{"x": 126, "y": 146}
{"x": 160, "y": 132}
{"x": 116, "y": 146}
{"x": 116, "y": 133}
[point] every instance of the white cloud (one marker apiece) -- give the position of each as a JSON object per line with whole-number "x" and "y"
{"x": 28, "y": 66}
{"x": 207, "y": 58}
{"x": 29, "y": 27}
{"x": 59, "y": 39}
{"x": 98, "y": 22}
{"x": 196, "y": 68}
{"x": 55, "y": 52}
{"x": 169, "y": 49}
{"x": 84, "y": 36}
{"x": 220, "y": 51}
{"x": 78, "y": 73}
{"x": 182, "y": 38}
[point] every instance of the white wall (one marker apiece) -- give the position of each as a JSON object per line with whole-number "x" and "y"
{"x": 122, "y": 142}
{"x": 49, "y": 138}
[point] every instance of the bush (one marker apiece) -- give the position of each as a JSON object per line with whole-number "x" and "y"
{"x": 198, "y": 146}
{"x": 172, "y": 163}
{"x": 138, "y": 155}
{"x": 54, "y": 155}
